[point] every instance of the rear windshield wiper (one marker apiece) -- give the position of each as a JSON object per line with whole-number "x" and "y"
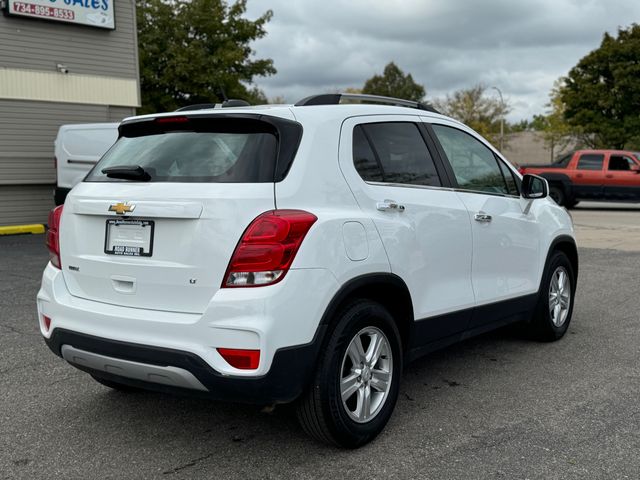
{"x": 127, "y": 172}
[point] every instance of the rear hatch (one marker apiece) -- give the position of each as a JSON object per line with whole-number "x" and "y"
{"x": 158, "y": 230}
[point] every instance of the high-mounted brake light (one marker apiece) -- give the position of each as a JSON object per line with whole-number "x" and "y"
{"x": 267, "y": 248}
{"x": 52, "y": 239}
{"x": 165, "y": 120}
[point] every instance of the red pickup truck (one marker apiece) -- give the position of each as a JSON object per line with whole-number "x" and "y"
{"x": 592, "y": 175}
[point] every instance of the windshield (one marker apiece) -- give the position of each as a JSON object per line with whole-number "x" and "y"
{"x": 195, "y": 153}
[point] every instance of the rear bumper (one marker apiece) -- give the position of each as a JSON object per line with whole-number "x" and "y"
{"x": 290, "y": 370}
{"x": 280, "y": 320}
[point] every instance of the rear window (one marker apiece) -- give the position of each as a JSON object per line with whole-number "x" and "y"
{"x": 195, "y": 150}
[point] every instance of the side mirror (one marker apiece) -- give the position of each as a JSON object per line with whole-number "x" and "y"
{"x": 534, "y": 187}
{"x": 635, "y": 168}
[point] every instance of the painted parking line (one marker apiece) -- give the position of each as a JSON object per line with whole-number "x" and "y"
{"x": 18, "y": 229}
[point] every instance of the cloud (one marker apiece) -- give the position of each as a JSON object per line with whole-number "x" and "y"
{"x": 520, "y": 47}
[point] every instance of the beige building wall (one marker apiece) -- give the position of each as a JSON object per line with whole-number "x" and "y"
{"x": 529, "y": 147}
{"x": 37, "y": 97}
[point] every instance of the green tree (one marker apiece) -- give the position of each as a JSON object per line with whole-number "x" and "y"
{"x": 475, "y": 108}
{"x": 191, "y": 49}
{"x": 394, "y": 83}
{"x": 557, "y": 133}
{"x": 521, "y": 126}
{"x": 601, "y": 94}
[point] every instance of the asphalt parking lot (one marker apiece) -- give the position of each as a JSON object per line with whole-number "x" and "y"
{"x": 608, "y": 225}
{"x": 497, "y": 406}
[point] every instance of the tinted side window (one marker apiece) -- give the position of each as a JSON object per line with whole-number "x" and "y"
{"x": 474, "y": 165}
{"x": 399, "y": 151}
{"x": 510, "y": 178}
{"x": 620, "y": 162}
{"x": 364, "y": 159}
{"x": 590, "y": 161}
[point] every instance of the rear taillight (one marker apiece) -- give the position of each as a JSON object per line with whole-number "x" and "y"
{"x": 52, "y": 239}
{"x": 267, "y": 248}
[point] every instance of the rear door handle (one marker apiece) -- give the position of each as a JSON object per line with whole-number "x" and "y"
{"x": 482, "y": 217}
{"x": 389, "y": 205}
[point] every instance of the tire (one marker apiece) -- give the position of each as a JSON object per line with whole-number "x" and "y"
{"x": 571, "y": 204}
{"x": 551, "y": 320}
{"x": 556, "y": 192}
{"x": 321, "y": 410}
{"x": 121, "y": 387}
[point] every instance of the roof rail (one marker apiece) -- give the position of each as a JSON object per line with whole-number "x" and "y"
{"x": 335, "y": 99}
{"x": 226, "y": 104}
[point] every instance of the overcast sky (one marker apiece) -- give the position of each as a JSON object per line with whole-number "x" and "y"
{"x": 518, "y": 46}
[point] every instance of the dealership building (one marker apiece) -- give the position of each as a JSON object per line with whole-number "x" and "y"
{"x": 61, "y": 62}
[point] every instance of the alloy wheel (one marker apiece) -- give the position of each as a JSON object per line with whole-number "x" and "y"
{"x": 365, "y": 376}
{"x": 559, "y": 296}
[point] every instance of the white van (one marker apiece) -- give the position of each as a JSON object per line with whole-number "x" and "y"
{"x": 77, "y": 149}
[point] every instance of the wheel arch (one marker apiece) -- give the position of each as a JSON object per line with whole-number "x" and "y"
{"x": 567, "y": 245}
{"x": 387, "y": 289}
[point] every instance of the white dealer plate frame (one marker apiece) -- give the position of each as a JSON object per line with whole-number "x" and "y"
{"x": 128, "y": 237}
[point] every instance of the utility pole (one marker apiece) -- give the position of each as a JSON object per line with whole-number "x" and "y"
{"x": 501, "y": 118}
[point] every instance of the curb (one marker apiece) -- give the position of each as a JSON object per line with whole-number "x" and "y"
{"x": 18, "y": 229}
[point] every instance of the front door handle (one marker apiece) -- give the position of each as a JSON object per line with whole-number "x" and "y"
{"x": 482, "y": 217}
{"x": 389, "y": 205}
{"x": 609, "y": 175}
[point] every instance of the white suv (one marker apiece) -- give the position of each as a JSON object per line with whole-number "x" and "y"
{"x": 299, "y": 253}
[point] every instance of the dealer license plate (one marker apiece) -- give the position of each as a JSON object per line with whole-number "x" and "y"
{"x": 127, "y": 237}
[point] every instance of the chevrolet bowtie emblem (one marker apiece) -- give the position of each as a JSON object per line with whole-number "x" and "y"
{"x": 121, "y": 208}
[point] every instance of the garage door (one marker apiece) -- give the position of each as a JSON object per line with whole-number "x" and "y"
{"x": 27, "y": 173}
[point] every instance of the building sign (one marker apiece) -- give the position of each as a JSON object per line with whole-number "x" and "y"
{"x": 94, "y": 13}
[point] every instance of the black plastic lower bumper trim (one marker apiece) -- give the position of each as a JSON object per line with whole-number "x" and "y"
{"x": 289, "y": 374}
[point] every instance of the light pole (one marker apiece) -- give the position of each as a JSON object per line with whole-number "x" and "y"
{"x": 501, "y": 118}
